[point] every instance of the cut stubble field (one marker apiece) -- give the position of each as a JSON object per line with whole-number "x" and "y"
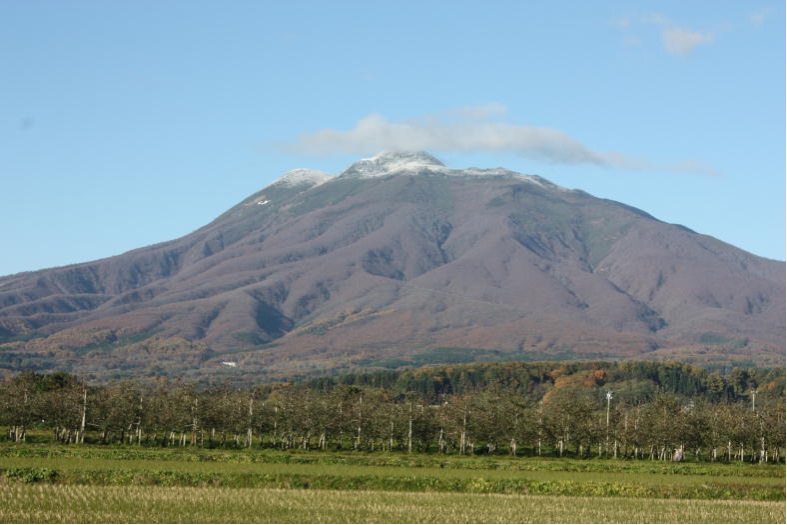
{"x": 62, "y": 484}
{"x": 102, "y": 504}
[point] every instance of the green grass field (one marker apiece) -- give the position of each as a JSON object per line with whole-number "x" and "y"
{"x": 62, "y": 484}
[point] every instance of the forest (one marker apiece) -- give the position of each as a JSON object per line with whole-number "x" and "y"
{"x": 631, "y": 410}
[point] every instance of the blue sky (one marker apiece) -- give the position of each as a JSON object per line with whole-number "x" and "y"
{"x": 124, "y": 124}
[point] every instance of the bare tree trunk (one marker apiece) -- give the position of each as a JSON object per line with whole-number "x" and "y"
{"x": 194, "y": 422}
{"x": 463, "y": 435}
{"x": 410, "y": 432}
{"x": 360, "y": 416}
{"x": 275, "y": 424}
{"x": 84, "y": 416}
{"x": 251, "y": 416}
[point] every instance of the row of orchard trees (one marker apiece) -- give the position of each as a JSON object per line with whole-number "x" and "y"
{"x": 576, "y": 422}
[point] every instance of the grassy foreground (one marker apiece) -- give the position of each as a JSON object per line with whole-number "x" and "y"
{"x": 67, "y": 484}
{"x": 95, "y": 504}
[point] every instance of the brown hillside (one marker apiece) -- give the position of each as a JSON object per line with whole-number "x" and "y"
{"x": 400, "y": 260}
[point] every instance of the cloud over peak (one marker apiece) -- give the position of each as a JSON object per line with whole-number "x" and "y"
{"x": 468, "y": 130}
{"x": 375, "y": 133}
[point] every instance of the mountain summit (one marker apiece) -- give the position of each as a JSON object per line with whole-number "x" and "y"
{"x": 393, "y": 162}
{"x": 400, "y": 261}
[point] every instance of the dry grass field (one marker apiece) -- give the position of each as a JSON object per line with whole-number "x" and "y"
{"x": 46, "y": 503}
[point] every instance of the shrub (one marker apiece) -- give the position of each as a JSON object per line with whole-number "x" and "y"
{"x": 32, "y": 474}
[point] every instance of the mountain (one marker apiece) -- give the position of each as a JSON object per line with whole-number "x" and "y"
{"x": 400, "y": 261}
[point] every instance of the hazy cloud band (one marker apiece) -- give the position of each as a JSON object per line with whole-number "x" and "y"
{"x": 469, "y": 130}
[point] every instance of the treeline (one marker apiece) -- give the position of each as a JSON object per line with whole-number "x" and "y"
{"x": 635, "y": 380}
{"x": 629, "y": 410}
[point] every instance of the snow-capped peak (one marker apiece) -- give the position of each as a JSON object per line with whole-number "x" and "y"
{"x": 406, "y": 162}
{"x": 303, "y": 177}
{"x": 391, "y": 162}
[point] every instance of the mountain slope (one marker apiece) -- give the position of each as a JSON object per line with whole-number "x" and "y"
{"x": 401, "y": 260}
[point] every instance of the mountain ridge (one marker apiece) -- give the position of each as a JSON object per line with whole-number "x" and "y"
{"x": 399, "y": 257}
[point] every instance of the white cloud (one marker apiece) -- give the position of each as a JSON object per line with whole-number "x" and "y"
{"x": 675, "y": 40}
{"x": 678, "y": 41}
{"x": 692, "y": 166}
{"x": 657, "y": 19}
{"x": 622, "y": 22}
{"x": 473, "y": 133}
{"x": 758, "y": 18}
{"x": 468, "y": 130}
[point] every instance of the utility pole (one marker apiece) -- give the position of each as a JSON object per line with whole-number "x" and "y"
{"x": 609, "y": 398}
